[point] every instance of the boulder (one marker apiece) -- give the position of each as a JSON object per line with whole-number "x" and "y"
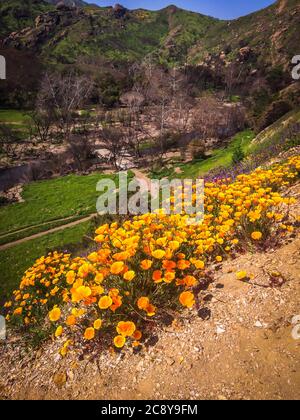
{"x": 119, "y": 11}
{"x": 245, "y": 54}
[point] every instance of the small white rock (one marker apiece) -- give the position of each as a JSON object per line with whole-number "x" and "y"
{"x": 220, "y": 329}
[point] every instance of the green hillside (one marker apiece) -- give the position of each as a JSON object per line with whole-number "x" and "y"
{"x": 272, "y": 34}
{"x": 16, "y": 15}
{"x": 173, "y": 35}
{"x": 115, "y": 34}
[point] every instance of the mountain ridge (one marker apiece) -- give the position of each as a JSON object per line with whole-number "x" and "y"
{"x": 116, "y": 33}
{"x": 177, "y": 35}
{"x": 94, "y": 39}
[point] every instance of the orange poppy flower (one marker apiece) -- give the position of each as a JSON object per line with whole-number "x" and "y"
{"x": 70, "y": 277}
{"x": 55, "y": 314}
{"x": 121, "y": 256}
{"x": 137, "y": 335}
{"x": 102, "y": 229}
{"x": 117, "y": 302}
{"x": 105, "y": 302}
{"x": 157, "y": 276}
{"x": 198, "y": 264}
{"x": 158, "y": 254}
{"x": 80, "y": 293}
{"x": 99, "y": 278}
{"x": 58, "y": 331}
{"x": 150, "y": 310}
{"x": 146, "y": 264}
{"x": 190, "y": 281}
{"x": 180, "y": 282}
{"x": 89, "y": 333}
{"x": 181, "y": 256}
{"x": 119, "y": 341}
{"x": 93, "y": 257}
{"x": 129, "y": 276}
{"x": 126, "y": 329}
{"x": 113, "y": 292}
{"x": 97, "y": 290}
{"x": 71, "y": 320}
{"x": 117, "y": 268}
{"x": 143, "y": 302}
{"x": 187, "y": 299}
{"x": 169, "y": 265}
{"x": 256, "y": 236}
{"x": 241, "y": 275}
{"x": 169, "y": 276}
{"x": 183, "y": 264}
{"x": 98, "y": 324}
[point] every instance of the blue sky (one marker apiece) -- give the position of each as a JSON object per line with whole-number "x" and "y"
{"x": 223, "y": 9}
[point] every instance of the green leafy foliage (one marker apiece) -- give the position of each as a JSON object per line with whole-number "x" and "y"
{"x": 238, "y": 154}
{"x": 18, "y": 14}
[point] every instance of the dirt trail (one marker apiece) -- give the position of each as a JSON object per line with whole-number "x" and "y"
{"x": 63, "y": 219}
{"x": 46, "y": 232}
{"x": 142, "y": 176}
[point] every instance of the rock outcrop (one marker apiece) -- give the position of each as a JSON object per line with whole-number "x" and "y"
{"x": 45, "y": 27}
{"x": 119, "y": 11}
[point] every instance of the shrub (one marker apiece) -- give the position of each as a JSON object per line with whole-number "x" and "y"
{"x": 238, "y": 155}
{"x": 4, "y": 201}
{"x": 277, "y": 78}
{"x": 198, "y": 149}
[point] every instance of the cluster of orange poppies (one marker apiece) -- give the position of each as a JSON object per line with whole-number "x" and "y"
{"x": 151, "y": 262}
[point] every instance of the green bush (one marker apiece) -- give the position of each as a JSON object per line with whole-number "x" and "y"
{"x": 238, "y": 155}
{"x": 292, "y": 142}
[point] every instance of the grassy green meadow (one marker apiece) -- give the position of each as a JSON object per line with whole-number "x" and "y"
{"x": 221, "y": 157}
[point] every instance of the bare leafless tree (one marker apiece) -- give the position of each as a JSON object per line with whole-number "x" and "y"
{"x": 132, "y": 120}
{"x": 41, "y": 122}
{"x": 9, "y": 140}
{"x": 113, "y": 141}
{"x": 233, "y": 75}
{"x": 214, "y": 119}
{"x": 63, "y": 95}
{"x": 167, "y": 110}
{"x": 81, "y": 150}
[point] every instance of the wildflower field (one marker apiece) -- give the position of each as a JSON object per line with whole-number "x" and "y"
{"x": 152, "y": 263}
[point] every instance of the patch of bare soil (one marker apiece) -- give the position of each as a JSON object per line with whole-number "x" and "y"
{"x": 13, "y": 195}
{"x": 238, "y": 346}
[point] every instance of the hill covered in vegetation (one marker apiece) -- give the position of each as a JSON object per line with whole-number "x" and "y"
{"x": 249, "y": 57}
{"x": 16, "y": 15}
{"x": 116, "y": 34}
{"x": 65, "y": 34}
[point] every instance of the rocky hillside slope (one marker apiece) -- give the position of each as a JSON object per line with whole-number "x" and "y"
{"x": 270, "y": 35}
{"x": 16, "y": 15}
